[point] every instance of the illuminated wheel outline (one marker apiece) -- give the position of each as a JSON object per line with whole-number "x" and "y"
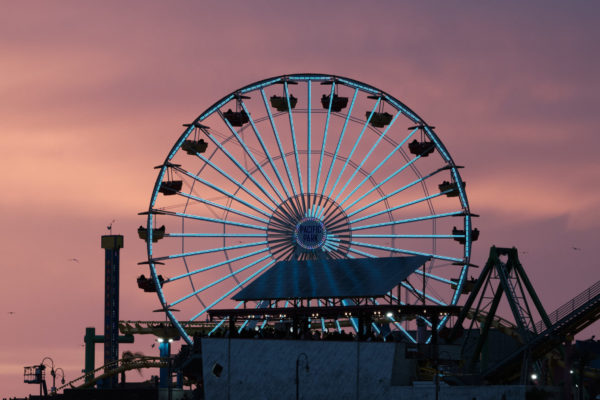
{"x": 255, "y": 179}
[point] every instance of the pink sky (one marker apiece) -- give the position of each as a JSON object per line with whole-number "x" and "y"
{"x": 92, "y": 97}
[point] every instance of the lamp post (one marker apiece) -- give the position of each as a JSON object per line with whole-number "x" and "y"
{"x": 62, "y": 379}
{"x": 52, "y": 372}
{"x": 298, "y": 359}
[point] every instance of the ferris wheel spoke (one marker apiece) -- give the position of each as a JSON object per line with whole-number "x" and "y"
{"x": 208, "y": 219}
{"x": 324, "y": 137}
{"x": 435, "y": 277}
{"x": 353, "y": 321}
{"x": 224, "y": 319}
{"x": 289, "y": 212}
{"x": 379, "y": 139}
{"x": 404, "y": 251}
{"x": 208, "y": 251}
{"x": 331, "y": 219}
{"x": 265, "y": 150}
{"x": 282, "y": 248}
{"x": 219, "y": 264}
{"x": 249, "y": 153}
{"x": 395, "y": 192}
{"x": 260, "y": 304}
{"x": 323, "y": 325}
{"x": 463, "y": 276}
{"x": 408, "y": 220}
{"x": 220, "y": 235}
{"x": 362, "y": 253}
{"x": 400, "y": 327}
{"x": 280, "y": 220}
{"x": 356, "y": 143}
{"x": 224, "y": 278}
{"x": 410, "y": 203}
{"x": 283, "y": 252}
{"x": 222, "y": 207}
{"x": 398, "y": 236}
{"x": 276, "y": 244}
{"x": 241, "y": 167}
{"x": 308, "y": 138}
{"x": 339, "y": 143}
{"x": 366, "y": 178}
{"x": 262, "y": 326}
{"x": 374, "y": 188}
{"x": 280, "y": 231}
{"x": 287, "y": 97}
{"x": 224, "y": 192}
{"x": 420, "y": 293}
{"x": 283, "y": 157}
{"x": 214, "y": 303}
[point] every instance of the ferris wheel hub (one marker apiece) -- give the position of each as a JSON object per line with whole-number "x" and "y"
{"x": 309, "y": 226}
{"x": 310, "y": 233}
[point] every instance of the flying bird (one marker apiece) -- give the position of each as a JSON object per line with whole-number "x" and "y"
{"x": 109, "y": 227}
{"x": 11, "y": 312}
{"x": 74, "y": 260}
{"x": 576, "y": 248}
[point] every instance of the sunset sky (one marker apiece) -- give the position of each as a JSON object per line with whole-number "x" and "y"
{"x": 93, "y": 95}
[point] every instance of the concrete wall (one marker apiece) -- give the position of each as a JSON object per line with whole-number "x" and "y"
{"x": 266, "y": 369}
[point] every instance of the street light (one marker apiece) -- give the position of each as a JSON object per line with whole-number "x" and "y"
{"x": 52, "y": 372}
{"x": 534, "y": 376}
{"x": 62, "y": 372}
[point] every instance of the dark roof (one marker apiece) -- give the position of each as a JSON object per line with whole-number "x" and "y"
{"x": 360, "y": 277}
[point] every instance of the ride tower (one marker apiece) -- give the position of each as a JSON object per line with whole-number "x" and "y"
{"x": 111, "y": 245}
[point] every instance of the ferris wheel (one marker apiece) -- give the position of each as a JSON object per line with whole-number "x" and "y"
{"x": 304, "y": 167}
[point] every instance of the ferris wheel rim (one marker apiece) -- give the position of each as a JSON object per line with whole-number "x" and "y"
{"x": 357, "y": 85}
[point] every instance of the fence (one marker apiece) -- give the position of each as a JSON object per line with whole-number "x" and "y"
{"x": 570, "y": 306}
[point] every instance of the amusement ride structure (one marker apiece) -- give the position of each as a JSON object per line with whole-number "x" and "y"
{"x": 321, "y": 204}
{"x": 309, "y": 168}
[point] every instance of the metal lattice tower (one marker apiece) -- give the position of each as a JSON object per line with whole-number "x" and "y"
{"x": 503, "y": 278}
{"x": 112, "y": 245}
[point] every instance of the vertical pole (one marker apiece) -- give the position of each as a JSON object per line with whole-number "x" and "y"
{"x": 421, "y": 331}
{"x": 90, "y": 353}
{"x": 164, "y": 348}
{"x": 435, "y": 355}
{"x": 111, "y": 245}
{"x": 568, "y": 379}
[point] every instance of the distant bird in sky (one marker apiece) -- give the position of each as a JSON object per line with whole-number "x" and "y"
{"x": 576, "y": 248}
{"x": 11, "y": 312}
{"x": 74, "y": 260}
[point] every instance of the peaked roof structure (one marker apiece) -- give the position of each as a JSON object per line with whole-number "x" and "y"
{"x": 344, "y": 278}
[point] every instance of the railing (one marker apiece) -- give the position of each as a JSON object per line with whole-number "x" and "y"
{"x": 162, "y": 328}
{"x": 570, "y": 306}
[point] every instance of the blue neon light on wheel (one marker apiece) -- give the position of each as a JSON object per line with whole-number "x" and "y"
{"x": 304, "y": 166}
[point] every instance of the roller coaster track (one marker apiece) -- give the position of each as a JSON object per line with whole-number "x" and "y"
{"x": 499, "y": 323}
{"x": 568, "y": 320}
{"x": 116, "y": 368}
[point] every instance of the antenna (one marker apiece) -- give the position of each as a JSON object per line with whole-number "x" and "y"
{"x": 109, "y": 227}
